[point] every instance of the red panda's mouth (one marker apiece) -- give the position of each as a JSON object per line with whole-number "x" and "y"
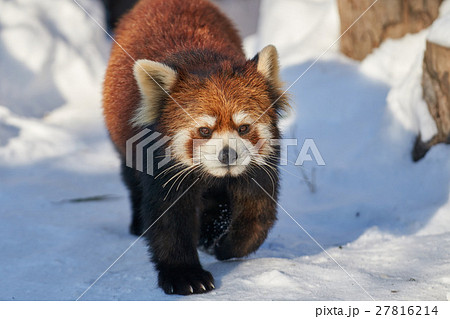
{"x": 225, "y": 170}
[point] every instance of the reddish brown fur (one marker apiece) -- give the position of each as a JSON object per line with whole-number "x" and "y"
{"x": 203, "y": 27}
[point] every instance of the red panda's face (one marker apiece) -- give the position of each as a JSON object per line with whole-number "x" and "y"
{"x": 229, "y": 127}
{"x": 221, "y": 124}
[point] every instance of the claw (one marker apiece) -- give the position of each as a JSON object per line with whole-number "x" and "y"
{"x": 202, "y": 287}
{"x": 191, "y": 289}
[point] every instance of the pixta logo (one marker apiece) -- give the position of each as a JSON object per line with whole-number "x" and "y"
{"x": 141, "y": 151}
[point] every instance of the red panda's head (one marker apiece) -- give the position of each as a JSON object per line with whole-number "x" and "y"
{"x": 222, "y": 123}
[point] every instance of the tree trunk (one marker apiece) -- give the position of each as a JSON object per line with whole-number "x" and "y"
{"x": 386, "y": 19}
{"x": 436, "y": 93}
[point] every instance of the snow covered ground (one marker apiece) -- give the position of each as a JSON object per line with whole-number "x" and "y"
{"x": 383, "y": 220}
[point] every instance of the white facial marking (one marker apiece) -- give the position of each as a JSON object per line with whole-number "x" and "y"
{"x": 208, "y": 120}
{"x": 178, "y": 147}
{"x": 242, "y": 117}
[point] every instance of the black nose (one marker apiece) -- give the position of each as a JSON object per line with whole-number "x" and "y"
{"x": 227, "y": 155}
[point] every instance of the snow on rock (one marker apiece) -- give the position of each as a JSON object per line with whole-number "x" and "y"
{"x": 440, "y": 29}
{"x": 392, "y": 61}
{"x": 399, "y": 63}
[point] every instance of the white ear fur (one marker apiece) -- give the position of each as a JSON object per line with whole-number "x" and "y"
{"x": 268, "y": 65}
{"x": 155, "y": 81}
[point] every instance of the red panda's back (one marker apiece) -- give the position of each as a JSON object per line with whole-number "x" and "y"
{"x": 156, "y": 30}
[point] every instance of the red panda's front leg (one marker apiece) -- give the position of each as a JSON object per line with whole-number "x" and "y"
{"x": 253, "y": 214}
{"x": 173, "y": 230}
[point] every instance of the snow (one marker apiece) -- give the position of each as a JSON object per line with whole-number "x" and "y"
{"x": 440, "y": 29}
{"x": 384, "y": 219}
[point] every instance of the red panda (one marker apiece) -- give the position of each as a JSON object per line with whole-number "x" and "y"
{"x": 178, "y": 68}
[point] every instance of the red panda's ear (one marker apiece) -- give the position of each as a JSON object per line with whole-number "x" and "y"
{"x": 267, "y": 65}
{"x": 155, "y": 80}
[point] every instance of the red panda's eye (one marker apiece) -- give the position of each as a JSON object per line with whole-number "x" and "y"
{"x": 243, "y": 129}
{"x": 204, "y": 131}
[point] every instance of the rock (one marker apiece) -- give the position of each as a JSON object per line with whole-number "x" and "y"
{"x": 386, "y": 19}
{"x": 436, "y": 93}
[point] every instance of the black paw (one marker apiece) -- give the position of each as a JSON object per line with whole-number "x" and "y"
{"x": 223, "y": 249}
{"x": 185, "y": 280}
